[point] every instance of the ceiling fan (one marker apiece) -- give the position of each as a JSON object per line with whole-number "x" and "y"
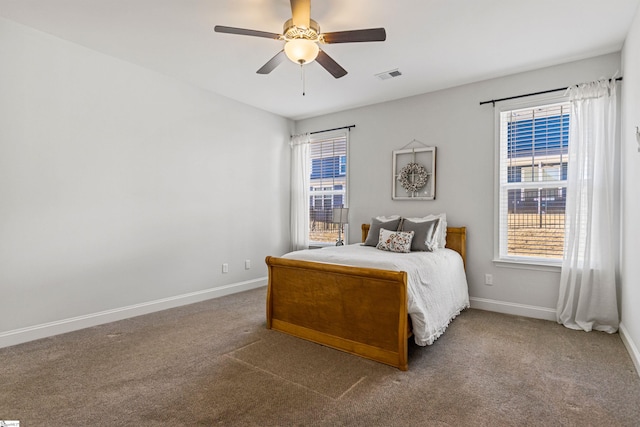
{"x": 302, "y": 36}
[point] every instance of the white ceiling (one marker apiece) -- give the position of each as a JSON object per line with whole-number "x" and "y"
{"x": 434, "y": 43}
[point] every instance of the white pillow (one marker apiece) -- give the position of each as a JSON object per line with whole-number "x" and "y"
{"x": 441, "y": 229}
{"x": 387, "y": 218}
{"x": 395, "y": 241}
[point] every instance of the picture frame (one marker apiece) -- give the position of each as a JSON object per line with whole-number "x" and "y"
{"x": 414, "y": 174}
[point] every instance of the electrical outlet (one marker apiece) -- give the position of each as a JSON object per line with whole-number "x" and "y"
{"x": 488, "y": 279}
{"x": 225, "y": 268}
{"x": 247, "y": 264}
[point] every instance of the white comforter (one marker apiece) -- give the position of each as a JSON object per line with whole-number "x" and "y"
{"x": 437, "y": 284}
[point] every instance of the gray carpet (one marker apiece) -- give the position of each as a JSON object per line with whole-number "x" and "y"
{"x": 214, "y": 363}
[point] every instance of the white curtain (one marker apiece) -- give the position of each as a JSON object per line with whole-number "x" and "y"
{"x": 300, "y": 182}
{"x": 587, "y": 298}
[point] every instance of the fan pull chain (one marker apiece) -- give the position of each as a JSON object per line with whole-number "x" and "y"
{"x": 302, "y": 77}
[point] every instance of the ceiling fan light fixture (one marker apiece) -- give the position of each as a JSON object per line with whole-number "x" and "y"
{"x": 301, "y": 36}
{"x": 301, "y": 51}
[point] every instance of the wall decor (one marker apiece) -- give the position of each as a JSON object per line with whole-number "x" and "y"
{"x": 414, "y": 173}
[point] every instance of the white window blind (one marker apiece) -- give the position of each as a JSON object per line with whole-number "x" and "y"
{"x": 328, "y": 156}
{"x": 533, "y": 166}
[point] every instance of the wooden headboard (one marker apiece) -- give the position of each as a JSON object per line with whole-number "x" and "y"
{"x": 456, "y": 240}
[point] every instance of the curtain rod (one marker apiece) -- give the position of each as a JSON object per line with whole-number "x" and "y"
{"x": 493, "y": 101}
{"x": 329, "y": 130}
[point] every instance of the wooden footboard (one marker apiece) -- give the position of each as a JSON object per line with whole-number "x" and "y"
{"x": 361, "y": 311}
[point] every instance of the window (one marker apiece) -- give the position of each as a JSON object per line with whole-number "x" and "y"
{"x": 533, "y": 166}
{"x": 328, "y": 186}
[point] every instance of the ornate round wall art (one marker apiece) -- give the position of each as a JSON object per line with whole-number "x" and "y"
{"x": 414, "y": 173}
{"x": 413, "y": 177}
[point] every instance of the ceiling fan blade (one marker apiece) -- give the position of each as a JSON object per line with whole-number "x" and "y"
{"x": 368, "y": 35}
{"x": 330, "y": 65}
{"x": 245, "y": 32}
{"x": 272, "y": 63}
{"x": 301, "y": 13}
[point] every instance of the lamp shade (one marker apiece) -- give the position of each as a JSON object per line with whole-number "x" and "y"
{"x": 341, "y": 215}
{"x": 301, "y": 51}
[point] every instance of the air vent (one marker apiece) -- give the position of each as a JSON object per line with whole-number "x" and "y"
{"x": 389, "y": 74}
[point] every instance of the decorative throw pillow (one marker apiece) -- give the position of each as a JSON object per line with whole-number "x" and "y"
{"x": 441, "y": 228}
{"x": 424, "y": 237}
{"x": 374, "y": 229}
{"x": 395, "y": 241}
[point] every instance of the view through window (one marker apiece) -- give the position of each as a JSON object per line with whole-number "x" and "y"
{"x": 328, "y": 186}
{"x": 533, "y": 181}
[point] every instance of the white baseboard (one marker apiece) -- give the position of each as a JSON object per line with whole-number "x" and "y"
{"x": 632, "y": 348}
{"x": 18, "y": 336}
{"x": 513, "y": 308}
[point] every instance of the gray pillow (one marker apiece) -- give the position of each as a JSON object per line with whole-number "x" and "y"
{"x": 374, "y": 230}
{"x": 423, "y": 238}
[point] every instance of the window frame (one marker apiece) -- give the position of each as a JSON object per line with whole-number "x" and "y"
{"x": 500, "y": 236}
{"x": 339, "y": 166}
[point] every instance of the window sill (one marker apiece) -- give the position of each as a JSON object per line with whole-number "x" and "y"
{"x": 529, "y": 264}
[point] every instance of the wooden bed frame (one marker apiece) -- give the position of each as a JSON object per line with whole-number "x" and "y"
{"x": 362, "y": 311}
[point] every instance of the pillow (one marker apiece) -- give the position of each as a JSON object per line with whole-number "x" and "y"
{"x": 441, "y": 228}
{"x": 424, "y": 237}
{"x": 376, "y": 225}
{"x": 395, "y": 241}
{"x": 387, "y": 218}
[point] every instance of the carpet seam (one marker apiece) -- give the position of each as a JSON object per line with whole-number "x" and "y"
{"x": 243, "y": 347}
{"x": 283, "y": 378}
{"x": 351, "y": 388}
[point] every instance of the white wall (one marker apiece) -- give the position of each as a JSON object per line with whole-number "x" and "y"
{"x": 630, "y": 324}
{"x": 123, "y": 191}
{"x": 463, "y": 132}
{"x": 120, "y": 187}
